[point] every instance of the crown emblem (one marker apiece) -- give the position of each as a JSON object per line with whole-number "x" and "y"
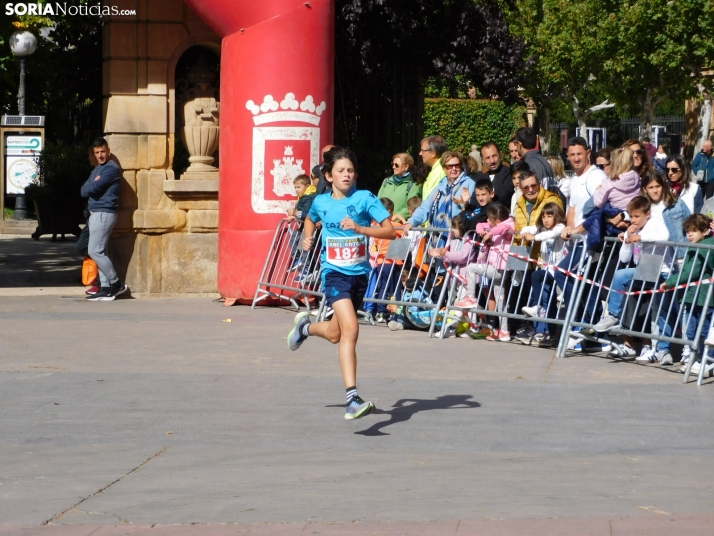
{"x": 288, "y": 109}
{"x": 285, "y": 171}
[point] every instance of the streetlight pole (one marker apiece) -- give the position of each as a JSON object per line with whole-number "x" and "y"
{"x": 22, "y": 44}
{"x": 21, "y": 90}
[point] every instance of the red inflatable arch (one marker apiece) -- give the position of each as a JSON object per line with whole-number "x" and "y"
{"x": 276, "y": 113}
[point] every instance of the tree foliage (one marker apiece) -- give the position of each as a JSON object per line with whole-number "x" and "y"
{"x": 450, "y": 39}
{"x": 64, "y": 75}
{"x": 633, "y": 52}
{"x": 658, "y": 49}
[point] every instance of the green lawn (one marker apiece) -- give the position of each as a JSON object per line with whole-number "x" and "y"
{"x": 8, "y": 213}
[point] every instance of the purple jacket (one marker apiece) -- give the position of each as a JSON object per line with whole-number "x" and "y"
{"x": 620, "y": 192}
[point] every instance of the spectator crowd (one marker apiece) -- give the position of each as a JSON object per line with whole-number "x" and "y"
{"x": 614, "y": 202}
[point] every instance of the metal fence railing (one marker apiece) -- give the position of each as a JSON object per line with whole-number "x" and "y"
{"x": 291, "y": 273}
{"x": 575, "y": 296}
{"x": 408, "y": 276}
{"x": 629, "y": 294}
{"x": 521, "y": 289}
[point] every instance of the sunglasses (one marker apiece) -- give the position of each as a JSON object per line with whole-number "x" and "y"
{"x": 530, "y": 187}
{"x": 673, "y": 170}
{"x": 640, "y": 152}
{"x": 394, "y": 164}
{"x": 453, "y": 166}
{"x": 601, "y": 166}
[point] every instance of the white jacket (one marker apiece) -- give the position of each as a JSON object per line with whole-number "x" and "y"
{"x": 654, "y": 231}
{"x": 552, "y": 248}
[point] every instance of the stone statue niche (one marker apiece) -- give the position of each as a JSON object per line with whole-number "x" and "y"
{"x": 198, "y": 96}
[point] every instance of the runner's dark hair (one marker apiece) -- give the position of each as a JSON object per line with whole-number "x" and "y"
{"x": 335, "y": 154}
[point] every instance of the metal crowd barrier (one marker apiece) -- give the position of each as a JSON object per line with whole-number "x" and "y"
{"x": 647, "y": 313}
{"x": 509, "y": 291}
{"x": 291, "y": 273}
{"x": 407, "y": 276}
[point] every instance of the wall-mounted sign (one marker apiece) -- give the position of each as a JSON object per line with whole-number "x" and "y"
{"x": 23, "y": 145}
{"x": 21, "y": 171}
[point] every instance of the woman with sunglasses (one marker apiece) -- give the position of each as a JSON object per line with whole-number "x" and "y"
{"x": 603, "y": 160}
{"x": 402, "y": 185}
{"x": 640, "y": 157}
{"x": 678, "y": 180}
{"x": 440, "y": 207}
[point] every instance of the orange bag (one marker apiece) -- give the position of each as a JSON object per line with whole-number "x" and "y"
{"x": 89, "y": 271}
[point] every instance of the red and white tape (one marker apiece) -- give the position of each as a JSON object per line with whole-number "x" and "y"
{"x": 573, "y": 274}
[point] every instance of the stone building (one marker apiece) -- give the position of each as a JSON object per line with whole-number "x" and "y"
{"x": 161, "y": 75}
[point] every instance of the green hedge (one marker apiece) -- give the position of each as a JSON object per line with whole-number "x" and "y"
{"x": 467, "y": 122}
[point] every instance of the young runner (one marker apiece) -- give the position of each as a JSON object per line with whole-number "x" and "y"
{"x": 346, "y": 215}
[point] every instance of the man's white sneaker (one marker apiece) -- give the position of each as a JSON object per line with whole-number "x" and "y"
{"x": 606, "y": 324}
{"x": 686, "y": 354}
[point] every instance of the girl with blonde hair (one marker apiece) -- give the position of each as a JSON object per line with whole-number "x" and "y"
{"x": 623, "y": 182}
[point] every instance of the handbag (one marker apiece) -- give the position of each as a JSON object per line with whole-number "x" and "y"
{"x": 89, "y": 271}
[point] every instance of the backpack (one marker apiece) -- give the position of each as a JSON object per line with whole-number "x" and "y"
{"x": 422, "y": 290}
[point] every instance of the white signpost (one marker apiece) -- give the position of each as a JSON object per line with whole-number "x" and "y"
{"x": 21, "y": 163}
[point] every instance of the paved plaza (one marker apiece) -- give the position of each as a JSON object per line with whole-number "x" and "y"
{"x": 158, "y": 416}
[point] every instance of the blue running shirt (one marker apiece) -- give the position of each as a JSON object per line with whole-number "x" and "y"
{"x": 346, "y": 251}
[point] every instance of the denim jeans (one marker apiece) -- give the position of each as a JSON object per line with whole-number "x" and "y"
{"x": 666, "y": 318}
{"x": 542, "y": 287}
{"x": 383, "y": 284}
{"x": 620, "y": 282}
{"x": 565, "y": 282}
{"x": 695, "y": 315}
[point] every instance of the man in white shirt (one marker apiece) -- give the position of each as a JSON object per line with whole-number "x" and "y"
{"x": 587, "y": 179}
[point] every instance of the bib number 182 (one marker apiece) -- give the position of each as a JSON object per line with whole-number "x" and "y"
{"x": 346, "y": 254}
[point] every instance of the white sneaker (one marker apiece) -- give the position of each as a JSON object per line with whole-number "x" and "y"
{"x": 606, "y": 324}
{"x": 695, "y": 367}
{"x": 647, "y": 355}
{"x": 575, "y": 344}
{"x": 665, "y": 358}
{"x": 533, "y": 311}
{"x": 622, "y": 350}
{"x": 686, "y": 354}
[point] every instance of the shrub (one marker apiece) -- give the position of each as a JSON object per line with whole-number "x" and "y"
{"x": 467, "y": 122}
{"x": 63, "y": 170}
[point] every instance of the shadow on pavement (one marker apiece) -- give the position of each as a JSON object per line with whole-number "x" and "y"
{"x": 405, "y": 408}
{"x": 25, "y": 262}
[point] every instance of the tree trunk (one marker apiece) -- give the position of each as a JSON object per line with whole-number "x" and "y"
{"x": 647, "y": 117}
{"x": 705, "y": 119}
{"x": 580, "y": 117}
{"x": 543, "y": 128}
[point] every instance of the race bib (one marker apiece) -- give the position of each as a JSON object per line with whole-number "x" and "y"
{"x": 346, "y": 251}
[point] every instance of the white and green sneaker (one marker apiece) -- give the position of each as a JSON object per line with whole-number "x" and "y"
{"x": 358, "y": 408}
{"x": 295, "y": 337}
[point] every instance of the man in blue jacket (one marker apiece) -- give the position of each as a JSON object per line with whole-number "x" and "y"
{"x": 703, "y": 169}
{"x": 102, "y": 189}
